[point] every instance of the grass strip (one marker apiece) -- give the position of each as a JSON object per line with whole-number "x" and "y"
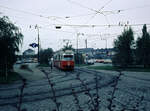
{"x": 12, "y": 77}
{"x": 112, "y": 68}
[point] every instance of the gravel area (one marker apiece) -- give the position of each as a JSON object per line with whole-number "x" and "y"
{"x": 69, "y": 90}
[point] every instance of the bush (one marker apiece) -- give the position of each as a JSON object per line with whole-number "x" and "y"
{"x": 45, "y": 55}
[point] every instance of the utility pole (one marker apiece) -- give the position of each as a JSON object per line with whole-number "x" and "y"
{"x": 36, "y": 27}
{"x": 106, "y": 42}
{"x": 86, "y": 43}
{"x": 77, "y": 48}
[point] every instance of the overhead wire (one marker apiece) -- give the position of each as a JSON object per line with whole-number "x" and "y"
{"x": 54, "y": 18}
{"x": 108, "y": 12}
{"x": 133, "y": 8}
{"x": 28, "y": 19}
{"x": 57, "y": 30}
{"x": 92, "y": 17}
{"x": 96, "y": 11}
{"x": 110, "y": 25}
{"x": 105, "y": 5}
{"x": 81, "y": 5}
{"x": 126, "y": 9}
{"x": 100, "y": 11}
{"x": 31, "y": 13}
{"x": 81, "y": 33}
{"x": 94, "y": 25}
{"x": 81, "y": 15}
{"x": 103, "y": 36}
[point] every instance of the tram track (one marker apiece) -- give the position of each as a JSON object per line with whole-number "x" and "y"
{"x": 58, "y": 96}
{"x": 46, "y": 92}
{"x": 92, "y": 82}
{"x": 98, "y": 72}
{"x": 44, "y": 95}
{"x": 36, "y": 83}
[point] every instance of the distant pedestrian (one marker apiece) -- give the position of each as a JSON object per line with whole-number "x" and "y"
{"x": 51, "y": 64}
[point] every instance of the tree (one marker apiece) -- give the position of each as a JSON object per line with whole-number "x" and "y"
{"x": 45, "y": 55}
{"x": 10, "y": 39}
{"x": 143, "y": 48}
{"x": 123, "y": 47}
{"x": 79, "y": 59}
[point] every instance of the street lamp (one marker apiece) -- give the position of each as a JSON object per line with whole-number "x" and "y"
{"x": 37, "y": 27}
{"x": 77, "y": 48}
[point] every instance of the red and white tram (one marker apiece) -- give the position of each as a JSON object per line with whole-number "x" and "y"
{"x": 64, "y": 60}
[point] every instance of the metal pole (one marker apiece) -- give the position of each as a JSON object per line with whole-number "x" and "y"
{"x": 38, "y": 45}
{"x": 77, "y": 48}
{"x": 86, "y": 43}
{"x": 106, "y": 43}
{"x": 6, "y": 69}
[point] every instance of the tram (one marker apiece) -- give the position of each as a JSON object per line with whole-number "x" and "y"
{"x": 64, "y": 60}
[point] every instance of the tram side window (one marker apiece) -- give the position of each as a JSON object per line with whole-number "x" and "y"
{"x": 56, "y": 57}
{"x": 59, "y": 57}
{"x": 68, "y": 57}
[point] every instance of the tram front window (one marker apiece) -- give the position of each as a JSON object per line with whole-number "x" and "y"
{"x": 68, "y": 57}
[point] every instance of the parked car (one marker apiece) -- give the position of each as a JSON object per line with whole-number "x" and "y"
{"x": 100, "y": 60}
{"x": 90, "y": 61}
{"x": 107, "y": 61}
{"x": 35, "y": 60}
{"x": 19, "y": 62}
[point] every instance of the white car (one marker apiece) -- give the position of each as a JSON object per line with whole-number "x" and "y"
{"x": 90, "y": 61}
{"x": 18, "y": 62}
{"x": 107, "y": 61}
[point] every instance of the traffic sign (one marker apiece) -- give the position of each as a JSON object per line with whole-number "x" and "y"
{"x": 34, "y": 45}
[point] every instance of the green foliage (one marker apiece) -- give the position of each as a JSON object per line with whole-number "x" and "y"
{"x": 45, "y": 55}
{"x": 43, "y": 65}
{"x": 123, "y": 46}
{"x": 143, "y": 48}
{"x": 12, "y": 76}
{"x": 112, "y": 68}
{"x": 79, "y": 59}
{"x": 28, "y": 56}
{"x": 10, "y": 39}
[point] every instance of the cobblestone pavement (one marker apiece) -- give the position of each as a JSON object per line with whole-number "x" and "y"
{"x": 60, "y": 89}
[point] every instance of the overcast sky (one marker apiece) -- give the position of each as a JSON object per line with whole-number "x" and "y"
{"x": 76, "y": 13}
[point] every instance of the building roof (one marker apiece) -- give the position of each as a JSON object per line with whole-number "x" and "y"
{"x": 85, "y": 50}
{"x": 29, "y": 51}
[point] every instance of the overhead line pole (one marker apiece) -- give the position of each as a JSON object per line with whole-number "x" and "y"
{"x": 38, "y": 46}
{"x": 38, "y": 42}
{"x": 106, "y": 43}
{"x": 86, "y": 43}
{"x": 77, "y": 48}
